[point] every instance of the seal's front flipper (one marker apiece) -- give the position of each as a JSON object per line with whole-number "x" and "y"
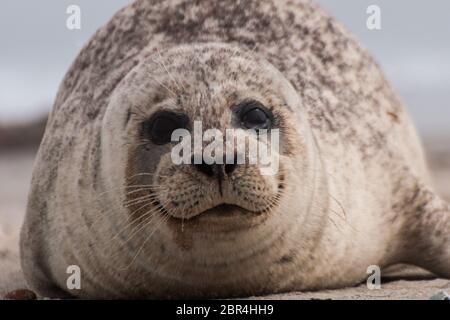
{"x": 427, "y": 231}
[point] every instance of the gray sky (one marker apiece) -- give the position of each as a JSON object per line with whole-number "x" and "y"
{"x": 413, "y": 48}
{"x": 37, "y": 49}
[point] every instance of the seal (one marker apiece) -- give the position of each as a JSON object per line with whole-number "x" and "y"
{"x": 352, "y": 188}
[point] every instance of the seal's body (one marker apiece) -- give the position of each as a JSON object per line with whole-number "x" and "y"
{"x": 352, "y": 188}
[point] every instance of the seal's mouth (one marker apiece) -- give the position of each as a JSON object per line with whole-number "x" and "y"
{"x": 222, "y": 210}
{"x": 226, "y": 208}
{"x": 242, "y": 207}
{"x": 223, "y": 217}
{"x": 220, "y": 218}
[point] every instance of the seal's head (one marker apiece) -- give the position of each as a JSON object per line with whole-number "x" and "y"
{"x": 218, "y": 87}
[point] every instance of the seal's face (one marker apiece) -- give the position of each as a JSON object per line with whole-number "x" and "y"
{"x": 214, "y": 88}
{"x": 221, "y": 88}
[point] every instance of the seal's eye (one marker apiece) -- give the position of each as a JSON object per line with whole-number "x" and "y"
{"x": 253, "y": 115}
{"x": 163, "y": 124}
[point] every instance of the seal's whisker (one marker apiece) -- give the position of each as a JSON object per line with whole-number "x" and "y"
{"x": 144, "y": 219}
{"x": 183, "y": 216}
{"x": 161, "y": 62}
{"x": 98, "y": 199}
{"x": 150, "y": 196}
{"x": 127, "y": 223}
{"x": 144, "y": 174}
{"x": 151, "y": 199}
{"x": 141, "y": 225}
{"x": 145, "y": 191}
{"x": 149, "y": 189}
{"x": 163, "y": 85}
{"x": 138, "y": 200}
{"x": 339, "y": 204}
{"x": 342, "y": 216}
{"x": 127, "y": 187}
{"x": 163, "y": 220}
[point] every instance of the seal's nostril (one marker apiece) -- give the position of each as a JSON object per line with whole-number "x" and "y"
{"x": 207, "y": 169}
{"x": 214, "y": 169}
{"x": 229, "y": 168}
{"x": 204, "y": 168}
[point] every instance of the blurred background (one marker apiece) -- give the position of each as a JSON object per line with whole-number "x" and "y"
{"x": 413, "y": 48}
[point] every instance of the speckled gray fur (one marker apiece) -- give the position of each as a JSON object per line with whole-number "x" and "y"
{"x": 351, "y": 158}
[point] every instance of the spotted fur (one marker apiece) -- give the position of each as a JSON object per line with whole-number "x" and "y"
{"x": 355, "y": 187}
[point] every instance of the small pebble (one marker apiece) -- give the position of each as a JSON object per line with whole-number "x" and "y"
{"x": 21, "y": 294}
{"x": 441, "y": 296}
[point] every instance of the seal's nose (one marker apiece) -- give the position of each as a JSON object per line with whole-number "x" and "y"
{"x": 211, "y": 170}
{"x": 207, "y": 169}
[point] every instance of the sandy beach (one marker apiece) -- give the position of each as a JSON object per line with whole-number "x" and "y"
{"x": 15, "y": 175}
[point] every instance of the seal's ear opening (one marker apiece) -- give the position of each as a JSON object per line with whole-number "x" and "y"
{"x": 428, "y": 233}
